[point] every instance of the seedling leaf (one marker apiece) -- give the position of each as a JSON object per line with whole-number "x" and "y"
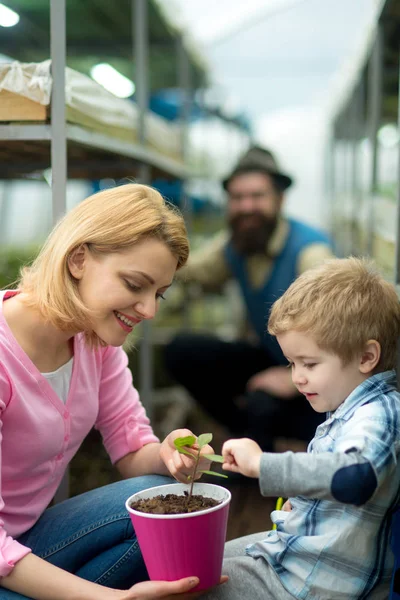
{"x": 188, "y": 440}
{"x": 184, "y": 451}
{"x": 214, "y": 457}
{"x": 214, "y": 473}
{"x": 183, "y": 444}
{"x": 204, "y": 439}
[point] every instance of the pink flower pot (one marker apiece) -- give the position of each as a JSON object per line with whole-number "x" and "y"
{"x": 176, "y": 546}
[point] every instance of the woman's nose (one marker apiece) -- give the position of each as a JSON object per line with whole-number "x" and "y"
{"x": 146, "y": 308}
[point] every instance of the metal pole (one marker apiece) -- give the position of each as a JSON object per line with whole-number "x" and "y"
{"x": 348, "y": 167}
{"x": 183, "y": 77}
{"x": 139, "y": 11}
{"x": 58, "y": 139}
{"x": 375, "y": 95}
{"x": 397, "y": 265}
{"x": 356, "y": 126}
{"x": 58, "y": 125}
{"x": 184, "y": 117}
{"x": 347, "y": 164}
{"x": 5, "y": 205}
{"x": 140, "y": 29}
{"x": 330, "y": 178}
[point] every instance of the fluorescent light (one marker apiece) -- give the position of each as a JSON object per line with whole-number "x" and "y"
{"x": 388, "y": 135}
{"x": 112, "y": 80}
{"x": 8, "y": 18}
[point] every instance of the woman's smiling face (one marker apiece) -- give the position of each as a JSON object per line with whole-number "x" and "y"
{"x": 123, "y": 288}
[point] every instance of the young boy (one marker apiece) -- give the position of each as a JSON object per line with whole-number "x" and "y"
{"x": 338, "y": 327}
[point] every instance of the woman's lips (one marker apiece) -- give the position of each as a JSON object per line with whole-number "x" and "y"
{"x": 127, "y": 322}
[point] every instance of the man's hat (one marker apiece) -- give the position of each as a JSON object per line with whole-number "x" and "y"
{"x": 263, "y": 161}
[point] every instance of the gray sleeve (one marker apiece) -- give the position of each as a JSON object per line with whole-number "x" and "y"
{"x": 339, "y": 476}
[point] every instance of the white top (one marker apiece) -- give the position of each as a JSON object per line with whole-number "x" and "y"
{"x": 60, "y": 379}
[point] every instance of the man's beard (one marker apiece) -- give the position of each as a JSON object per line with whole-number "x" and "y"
{"x": 254, "y": 237}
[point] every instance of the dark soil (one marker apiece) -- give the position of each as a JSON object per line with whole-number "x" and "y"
{"x": 171, "y": 504}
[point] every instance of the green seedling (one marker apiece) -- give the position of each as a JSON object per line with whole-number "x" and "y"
{"x": 184, "y": 445}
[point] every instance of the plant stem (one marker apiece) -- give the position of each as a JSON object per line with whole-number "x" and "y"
{"x": 192, "y": 477}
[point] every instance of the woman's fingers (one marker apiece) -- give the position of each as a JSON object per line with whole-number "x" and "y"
{"x": 152, "y": 590}
{"x": 168, "y": 590}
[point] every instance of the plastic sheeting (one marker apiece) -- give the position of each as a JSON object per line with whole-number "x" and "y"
{"x": 90, "y": 105}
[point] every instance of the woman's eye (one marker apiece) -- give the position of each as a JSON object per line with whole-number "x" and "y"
{"x": 160, "y": 296}
{"x": 132, "y": 286}
{"x": 310, "y": 365}
{"x": 289, "y": 365}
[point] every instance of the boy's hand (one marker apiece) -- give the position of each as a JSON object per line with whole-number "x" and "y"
{"x": 180, "y": 465}
{"x": 242, "y": 456}
{"x": 287, "y": 507}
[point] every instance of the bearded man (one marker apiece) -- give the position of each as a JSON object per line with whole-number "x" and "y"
{"x": 245, "y": 384}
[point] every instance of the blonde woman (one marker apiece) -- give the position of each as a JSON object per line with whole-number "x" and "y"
{"x": 105, "y": 268}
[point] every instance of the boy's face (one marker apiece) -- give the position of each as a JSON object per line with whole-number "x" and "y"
{"x": 318, "y": 374}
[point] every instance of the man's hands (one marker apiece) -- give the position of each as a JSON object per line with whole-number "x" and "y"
{"x": 179, "y": 465}
{"x": 275, "y": 380}
{"x": 242, "y": 456}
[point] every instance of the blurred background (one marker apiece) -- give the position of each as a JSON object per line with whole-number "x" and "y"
{"x": 172, "y": 92}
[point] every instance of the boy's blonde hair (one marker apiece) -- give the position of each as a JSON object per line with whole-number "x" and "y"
{"x": 109, "y": 221}
{"x": 342, "y": 304}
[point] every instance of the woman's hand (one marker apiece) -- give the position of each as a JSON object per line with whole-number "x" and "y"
{"x": 242, "y": 456}
{"x": 168, "y": 590}
{"x": 180, "y": 465}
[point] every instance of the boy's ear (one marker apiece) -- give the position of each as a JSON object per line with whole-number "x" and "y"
{"x": 76, "y": 261}
{"x": 370, "y": 356}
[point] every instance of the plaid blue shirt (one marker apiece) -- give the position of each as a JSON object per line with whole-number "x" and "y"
{"x": 328, "y": 547}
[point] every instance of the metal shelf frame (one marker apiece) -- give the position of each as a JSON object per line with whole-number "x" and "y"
{"x": 92, "y": 139}
{"x": 58, "y": 132}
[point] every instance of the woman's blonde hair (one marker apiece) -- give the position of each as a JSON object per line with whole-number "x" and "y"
{"x": 342, "y": 304}
{"x": 109, "y": 221}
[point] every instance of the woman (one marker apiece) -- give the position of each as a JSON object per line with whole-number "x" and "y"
{"x": 104, "y": 268}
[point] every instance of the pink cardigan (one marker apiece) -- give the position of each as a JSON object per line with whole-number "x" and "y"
{"x": 39, "y": 435}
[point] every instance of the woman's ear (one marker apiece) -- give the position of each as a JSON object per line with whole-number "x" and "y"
{"x": 370, "y": 356}
{"x": 76, "y": 261}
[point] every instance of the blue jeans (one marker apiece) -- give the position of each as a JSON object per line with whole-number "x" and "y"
{"x": 91, "y": 535}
